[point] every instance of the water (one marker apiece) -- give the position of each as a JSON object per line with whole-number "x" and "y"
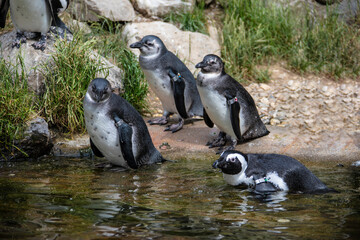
{"x": 62, "y": 198}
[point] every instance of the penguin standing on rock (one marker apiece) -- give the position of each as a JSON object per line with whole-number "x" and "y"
{"x": 33, "y": 16}
{"x": 227, "y": 104}
{"x": 171, "y": 81}
{"x": 117, "y": 131}
{"x": 267, "y": 173}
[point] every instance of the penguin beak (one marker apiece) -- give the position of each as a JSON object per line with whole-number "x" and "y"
{"x": 200, "y": 65}
{"x": 136, "y": 45}
{"x": 215, "y": 164}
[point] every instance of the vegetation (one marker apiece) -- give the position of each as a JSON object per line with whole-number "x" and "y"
{"x": 111, "y": 45}
{"x": 66, "y": 83}
{"x": 255, "y": 32}
{"x": 193, "y": 21}
{"x": 16, "y": 103}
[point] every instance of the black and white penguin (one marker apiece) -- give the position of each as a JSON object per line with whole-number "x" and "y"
{"x": 268, "y": 173}
{"x": 171, "y": 81}
{"x": 227, "y": 104}
{"x": 35, "y": 16}
{"x": 117, "y": 131}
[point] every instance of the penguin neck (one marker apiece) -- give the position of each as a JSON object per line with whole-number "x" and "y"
{"x": 239, "y": 178}
{"x": 207, "y": 78}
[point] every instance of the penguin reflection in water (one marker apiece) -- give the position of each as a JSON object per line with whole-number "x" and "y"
{"x": 117, "y": 131}
{"x": 227, "y": 104}
{"x": 171, "y": 81}
{"x": 267, "y": 173}
{"x": 35, "y": 16}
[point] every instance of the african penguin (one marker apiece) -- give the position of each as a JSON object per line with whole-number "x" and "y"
{"x": 33, "y": 16}
{"x": 227, "y": 104}
{"x": 268, "y": 173}
{"x": 171, "y": 81}
{"x": 117, "y": 131}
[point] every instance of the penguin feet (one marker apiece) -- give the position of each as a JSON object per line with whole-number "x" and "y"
{"x": 217, "y": 142}
{"x": 158, "y": 121}
{"x": 175, "y": 127}
{"x": 41, "y": 44}
{"x": 20, "y": 38}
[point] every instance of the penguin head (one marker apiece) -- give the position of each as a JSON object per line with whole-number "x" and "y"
{"x": 211, "y": 64}
{"x": 149, "y": 45}
{"x": 231, "y": 162}
{"x": 99, "y": 90}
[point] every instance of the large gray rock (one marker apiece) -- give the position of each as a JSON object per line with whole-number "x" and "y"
{"x": 34, "y": 59}
{"x": 190, "y": 47}
{"x": 90, "y": 10}
{"x": 161, "y": 8}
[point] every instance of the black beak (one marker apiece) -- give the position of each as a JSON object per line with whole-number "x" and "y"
{"x": 136, "y": 45}
{"x": 200, "y": 65}
{"x": 215, "y": 164}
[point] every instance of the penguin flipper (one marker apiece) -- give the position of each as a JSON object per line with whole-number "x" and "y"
{"x": 207, "y": 119}
{"x": 54, "y": 6}
{"x": 125, "y": 139}
{"x": 4, "y": 7}
{"x": 178, "y": 84}
{"x": 263, "y": 185}
{"x": 234, "y": 115}
{"x": 95, "y": 150}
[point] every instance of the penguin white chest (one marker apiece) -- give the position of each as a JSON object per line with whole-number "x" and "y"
{"x": 217, "y": 109}
{"x": 104, "y": 134}
{"x": 30, "y": 15}
{"x": 161, "y": 85}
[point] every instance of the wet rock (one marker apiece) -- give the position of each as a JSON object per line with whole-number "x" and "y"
{"x": 37, "y": 141}
{"x": 190, "y": 47}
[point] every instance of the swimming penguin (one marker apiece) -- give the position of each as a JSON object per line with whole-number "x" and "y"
{"x": 227, "y": 104}
{"x": 267, "y": 173}
{"x": 117, "y": 131}
{"x": 33, "y": 16}
{"x": 171, "y": 81}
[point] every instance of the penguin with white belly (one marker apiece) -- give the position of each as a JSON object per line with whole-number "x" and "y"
{"x": 227, "y": 104}
{"x": 35, "y": 16}
{"x": 171, "y": 81}
{"x": 267, "y": 173}
{"x": 117, "y": 131}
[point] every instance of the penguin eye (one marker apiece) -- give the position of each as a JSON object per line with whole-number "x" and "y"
{"x": 232, "y": 160}
{"x": 93, "y": 88}
{"x": 105, "y": 89}
{"x": 150, "y": 43}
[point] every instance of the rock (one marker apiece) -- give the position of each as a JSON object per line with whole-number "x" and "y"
{"x": 37, "y": 141}
{"x": 190, "y": 47}
{"x": 33, "y": 59}
{"x": 161, "y": 8}
{"x": 115, "y": 10}
{"x": 77, "y": 26}
{"x": 356, "y": 164}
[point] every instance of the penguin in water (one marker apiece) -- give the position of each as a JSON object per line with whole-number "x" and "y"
{"x": 117, "y": 131}
{"x": 170, "y": 79}
{"x": 33, "y": 16}
{"x": 227, "y": 104}
{"x": 267, "y": 173}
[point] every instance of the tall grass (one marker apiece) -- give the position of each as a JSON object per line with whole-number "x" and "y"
{"x": 16, "y": 103}
{"x": 257, "y": 32}
{"x": 194, "y": 21}
{"x": 111, "y": 45}
{"x": 67, "y": 82}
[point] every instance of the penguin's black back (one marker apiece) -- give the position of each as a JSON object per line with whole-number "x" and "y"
{"x": 295, "y": 174}
{"x": 147, "y": 150}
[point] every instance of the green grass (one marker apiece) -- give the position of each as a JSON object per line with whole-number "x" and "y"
{"x": 256, "y": 32}
{"x": 67, "y": 82}
{"x": 193, "y": 21}
{"x": 111, "y": 45}
{"x": 16, "y": 104}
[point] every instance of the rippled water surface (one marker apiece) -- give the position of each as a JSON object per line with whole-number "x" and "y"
{"x": 62, "y": 198}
